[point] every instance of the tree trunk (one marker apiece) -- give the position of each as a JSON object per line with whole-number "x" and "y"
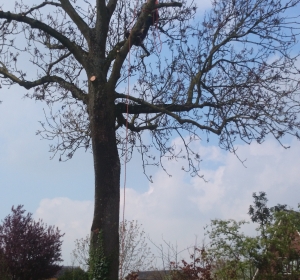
{"x": 107, "y": 177}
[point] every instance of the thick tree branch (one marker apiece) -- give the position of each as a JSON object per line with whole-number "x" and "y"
{"x": 168, "y": 109}
{"x": 112, "y": 55}
{"x": 78, "y": 53}
{"x": 122, "y": 121}
{"x": 115, "y": 75}
{"x": 148, "y": 108}
{"x": 75, "y": 91}
{"x": 173, "y": 4}
{"x": 54, "y": 46}
{"x": 111, "y": 6}
{"x": 117, "y": 66}
{"x": 102, "y": 23}
{"x": 80, "y": 23}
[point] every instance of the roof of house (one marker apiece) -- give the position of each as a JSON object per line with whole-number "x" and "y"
{"x": 142, "y": 275}
{"x": 64, "y": 269}
{"x": 152, "y": 274}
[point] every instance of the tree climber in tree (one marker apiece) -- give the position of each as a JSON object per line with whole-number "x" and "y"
{"x": 152, "y": 19}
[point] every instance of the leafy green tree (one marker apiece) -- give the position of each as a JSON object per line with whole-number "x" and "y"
{"x": 265, "y": 256}
{"x": 280, "y": 247}
{"x": 260, "y": 213}
{"x": 233, "y": 74}
{"x": 232, "y": 251}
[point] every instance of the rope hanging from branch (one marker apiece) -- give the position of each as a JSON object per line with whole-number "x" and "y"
{"x": 152, "y": 19}
{"x": 126, "y": 152}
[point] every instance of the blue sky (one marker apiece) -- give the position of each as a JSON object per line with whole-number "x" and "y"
{"x": 174, "y": 208}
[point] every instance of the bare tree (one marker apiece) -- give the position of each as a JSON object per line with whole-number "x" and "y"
{"x": 233, "y": 74}
{"x": 80, "y": 255}
{"x": 135, "y": 255}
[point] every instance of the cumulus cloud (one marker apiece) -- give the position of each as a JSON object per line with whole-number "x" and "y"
{"x": 72, "y": 217}
{"x": 177, "y": 208}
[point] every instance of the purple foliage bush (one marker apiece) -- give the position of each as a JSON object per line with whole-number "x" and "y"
{"x": 29, "y": 250}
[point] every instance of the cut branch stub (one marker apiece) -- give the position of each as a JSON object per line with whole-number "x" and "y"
{"x": 93, "y": 78}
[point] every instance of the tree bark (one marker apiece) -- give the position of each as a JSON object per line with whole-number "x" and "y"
{"x": 107, "y": 176}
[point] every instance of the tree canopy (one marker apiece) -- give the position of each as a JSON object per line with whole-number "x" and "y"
{"x": 233, "y": 73}
{"x": 272, "y": 254}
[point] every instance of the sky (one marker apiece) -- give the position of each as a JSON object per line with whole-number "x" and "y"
{"x": 174, "y": 209}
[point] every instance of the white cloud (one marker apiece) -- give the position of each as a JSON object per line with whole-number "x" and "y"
{"x": 178, "y": 207}
{"x": 72, "y": 217}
